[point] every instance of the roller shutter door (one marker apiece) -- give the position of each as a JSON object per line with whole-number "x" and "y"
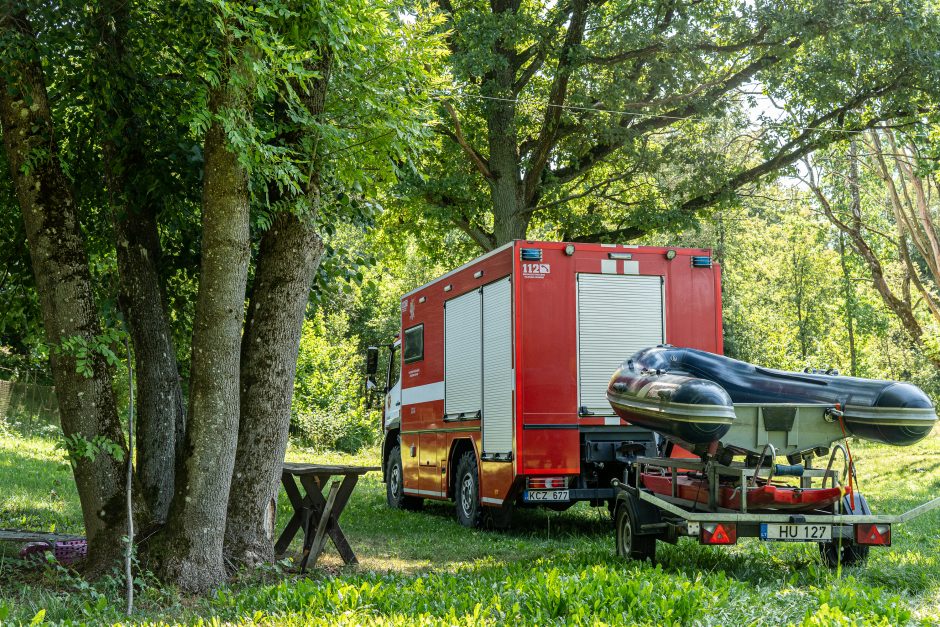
{"x": 497, "y": 368}
{"x": 617, "y": 316}
{"x": 463, "y": 356}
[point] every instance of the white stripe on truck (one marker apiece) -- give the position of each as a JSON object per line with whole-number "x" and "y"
{"x": 423, "y": 393}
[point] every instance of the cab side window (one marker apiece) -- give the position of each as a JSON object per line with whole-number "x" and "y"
{"x": 414, "y": 344}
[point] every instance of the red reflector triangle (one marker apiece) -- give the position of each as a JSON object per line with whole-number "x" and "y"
{"x": 720, "y": 535}
{"x": 875, "y": 536}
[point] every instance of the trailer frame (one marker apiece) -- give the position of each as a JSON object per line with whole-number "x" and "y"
{"x": 660, "y": 517}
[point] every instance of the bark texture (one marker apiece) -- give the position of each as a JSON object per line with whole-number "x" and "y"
{"x": 288, "y": 258}
{"x": 60, "y": 264}
{"x": 287, "y": 261}
{"x": 160, "y": 415}
{"x": 189, "y": 552}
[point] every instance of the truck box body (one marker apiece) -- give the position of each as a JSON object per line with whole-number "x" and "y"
{"x": 510, "y": 356}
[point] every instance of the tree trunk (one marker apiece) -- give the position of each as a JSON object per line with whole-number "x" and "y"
{"x": 506, "y": 190}
{"x": 289, "y": 255}
{"x": 189, "y": 552}
{"x": 849, "y": 294}
{"x": 60, "y": 264}
{"x": 287, "y": 260}
{"x": 160, "y": 415}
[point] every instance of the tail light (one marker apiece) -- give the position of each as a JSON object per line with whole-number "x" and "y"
{"x": 548, "y": 483}
{"x": 879, "y": 535}
{"x": 718, "y": 533}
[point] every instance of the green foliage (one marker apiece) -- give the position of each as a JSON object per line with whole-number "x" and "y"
{"x": 79, "y": 447}
{"x": 328, "y": 410}
{"x": 84, "y": 351}
{"x": 575, "y": 592}
{"x": 657, "y": 110}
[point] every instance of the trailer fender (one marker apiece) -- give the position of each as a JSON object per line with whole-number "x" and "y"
{"x": 642, "y": 512}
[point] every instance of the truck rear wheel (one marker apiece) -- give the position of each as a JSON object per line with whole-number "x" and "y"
{"x": 467, "y": 492}
{"x": 630, "y": 545}
{"x": 395, "y": 484}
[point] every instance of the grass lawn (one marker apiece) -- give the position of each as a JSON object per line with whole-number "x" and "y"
{"x": 423, "y": 568}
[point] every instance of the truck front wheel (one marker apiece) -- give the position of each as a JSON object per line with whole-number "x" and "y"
{"x": 395, "y": 484}
{"x": 467, "y": 494}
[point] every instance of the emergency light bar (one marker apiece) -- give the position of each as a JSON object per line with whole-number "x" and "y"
{"x": 530, "y": 254}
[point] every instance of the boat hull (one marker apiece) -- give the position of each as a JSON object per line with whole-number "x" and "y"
{"x": 691, "y": 396}
{"x": 688, "y": 409}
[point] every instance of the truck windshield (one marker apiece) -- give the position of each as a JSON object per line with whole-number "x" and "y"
{"x": 394, "y": 368}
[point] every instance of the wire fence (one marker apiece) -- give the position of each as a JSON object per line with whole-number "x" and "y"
{"x": 27, "y": 405}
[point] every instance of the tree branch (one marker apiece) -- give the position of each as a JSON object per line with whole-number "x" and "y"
{"x": 901, "y": 307}
{"x": 556, "y": 99}
{"x": 481, "y": 164}
{"x": 481, "y": 237}
{"x": 655, "y": 122}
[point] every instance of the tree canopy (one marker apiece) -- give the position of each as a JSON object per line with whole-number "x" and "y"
{"x": 587, "y": 120}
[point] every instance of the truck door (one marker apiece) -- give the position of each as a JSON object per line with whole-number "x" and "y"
{"x": 618, "y": 315}
{"x": 393, "y": 387}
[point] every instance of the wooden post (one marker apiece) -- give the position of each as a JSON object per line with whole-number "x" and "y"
{"x": 130, "y": 480}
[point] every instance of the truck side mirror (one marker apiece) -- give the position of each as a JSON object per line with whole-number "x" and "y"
{"x": 372, "y": 361}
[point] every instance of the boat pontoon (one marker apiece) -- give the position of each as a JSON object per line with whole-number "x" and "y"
{"x": 697, "y": 398}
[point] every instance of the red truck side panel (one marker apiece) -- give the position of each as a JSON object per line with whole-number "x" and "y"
{"x": 423, "y": 381}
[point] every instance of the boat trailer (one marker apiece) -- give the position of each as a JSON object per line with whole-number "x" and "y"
{"x": 668, "y": 498}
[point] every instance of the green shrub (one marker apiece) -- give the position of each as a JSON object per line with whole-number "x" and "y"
{"x": 328, "y": 411}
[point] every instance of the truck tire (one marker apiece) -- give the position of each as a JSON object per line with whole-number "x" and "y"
{"x": 395, "y": 483}
{"x": 851, "y": 554}
{"x": 467, "y": 491}
{"x": 629, "y": 544}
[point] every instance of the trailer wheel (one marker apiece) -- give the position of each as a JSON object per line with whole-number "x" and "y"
{"x": 630, "y": 545}
{"x": 851, "y": 554}
{"x": 467, "y": 494}
{"x": 395, "y": 483}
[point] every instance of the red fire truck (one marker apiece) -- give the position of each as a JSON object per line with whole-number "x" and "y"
{"x": 495, "y": 393}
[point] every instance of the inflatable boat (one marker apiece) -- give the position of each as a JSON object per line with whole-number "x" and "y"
{"x": 696, "y": 397}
